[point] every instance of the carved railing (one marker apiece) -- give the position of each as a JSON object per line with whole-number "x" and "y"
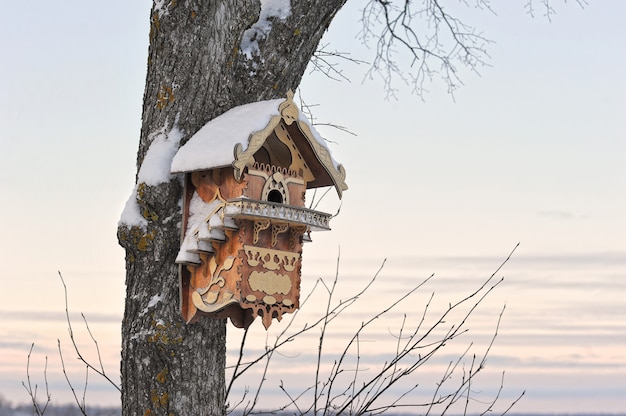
{"x": 254, "y": 209}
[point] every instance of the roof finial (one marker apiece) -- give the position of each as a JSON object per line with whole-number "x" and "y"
{"x": 288, "y": 109}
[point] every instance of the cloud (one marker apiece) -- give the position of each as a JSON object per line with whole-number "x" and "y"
{"x": 558, "y": 215}
{"x": 19, "y": 345}
{"x": 58, "y": 316}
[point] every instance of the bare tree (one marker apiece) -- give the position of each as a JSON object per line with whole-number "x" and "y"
{"x": 205, "y": 58}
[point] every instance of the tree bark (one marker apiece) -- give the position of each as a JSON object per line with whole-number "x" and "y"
{"x": 196, "y": 71}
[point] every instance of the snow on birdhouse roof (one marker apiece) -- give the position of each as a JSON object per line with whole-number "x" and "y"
{"x": 226, "y": 139}
{"x": 212, "y": 146}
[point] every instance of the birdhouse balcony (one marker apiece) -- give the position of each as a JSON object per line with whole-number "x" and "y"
{"x": 255, "y": 210}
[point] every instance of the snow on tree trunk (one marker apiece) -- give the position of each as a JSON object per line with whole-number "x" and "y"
{"x": 205, "y": 57}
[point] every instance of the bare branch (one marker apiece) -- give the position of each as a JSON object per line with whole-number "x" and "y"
{"x": 331, "y": 291}
{"x": 548, "y": 10}
{"x": 239, "y": 358}
{"x": 81, "y": 405}
{"x": 352, "y": 389}
{"x": 99, "y": 371}
{"x": 322, "y": 61}
{"x": 32, "y": 391}
{"x": 434, "y": 40}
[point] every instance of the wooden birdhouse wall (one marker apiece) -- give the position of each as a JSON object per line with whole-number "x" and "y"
{"x": 211, "y": 286}
{"x": 270, "y": 284}
{"x": 250, "y": 263}
{"x": 274, "y": 184}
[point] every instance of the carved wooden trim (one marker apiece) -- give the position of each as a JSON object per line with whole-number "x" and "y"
{"x": 289, "y": 113}
{"x": 271, "y": 259}
{"x": 288, "y": 109}
{"x": 337, "y": 174}
{"x": 212, "y": 297}
{"x": 242, "y": 158}
{"x": 278, "y": 229}
{"x": 297, "y": 163}
{"x": 270, "y": 283}
{"x": 295, "y": 234}
{"x": 255, "y": 210}
{"x": 259, "y": 225}
{"x": 276, "y": 182}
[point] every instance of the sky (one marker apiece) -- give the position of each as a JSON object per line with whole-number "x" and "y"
{"x": 529, "y": 151}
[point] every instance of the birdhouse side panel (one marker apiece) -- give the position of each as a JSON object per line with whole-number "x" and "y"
{"x": 214, "y": 283}
{"x": 210, "y": 283}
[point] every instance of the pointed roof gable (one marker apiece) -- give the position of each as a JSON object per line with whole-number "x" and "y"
{"x": 232, "y": 139}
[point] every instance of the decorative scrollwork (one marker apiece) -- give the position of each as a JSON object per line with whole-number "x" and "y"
{"x": 259, "y": 225}
{"x": 271, "y": 259}
{"x": 295, "y": 234}
{"x": 212, "y": 298}
{"x": 278, "y": 229}
{"x": 270, "y": 282}
{"x": 275, "y": 184}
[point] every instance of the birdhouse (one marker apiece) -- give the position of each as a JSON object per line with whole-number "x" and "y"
{"x": 244, "y": 213}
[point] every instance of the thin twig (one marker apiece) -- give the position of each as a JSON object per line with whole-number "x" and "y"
{"x": 238, "y": 364}
{"x": 81, "y": 406}
{"x": 32, "y": 392}
{"x": 100, "y": 371}
{"x": 320, "y": 346}
{"x": 362, "y": 392}
{"x": 434, "y": 40}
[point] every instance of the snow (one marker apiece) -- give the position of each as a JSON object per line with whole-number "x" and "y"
{"x": 187, "y": 257}
{"x": 154, "y": 169}
{"x": 160, "y": 7}
{"x": 141, "y": 335}
{"x": 151, "y": 303}
{"x": 200, "y": 214}
{"x": 154, "y": 300}
{"x": 280, "y": 9}
{"x": 213, "y": 145}
{"x": 131, "y": 215}
{"x": 199, "y": 210}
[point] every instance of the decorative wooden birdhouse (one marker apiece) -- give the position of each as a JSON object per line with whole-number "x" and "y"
{"x": 244, "y": 214}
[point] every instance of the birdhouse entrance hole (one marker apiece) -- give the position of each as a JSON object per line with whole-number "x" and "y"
{"x": 275, "y": 196}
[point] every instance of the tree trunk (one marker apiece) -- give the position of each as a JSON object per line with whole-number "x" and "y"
{"x": 197, "y": 70}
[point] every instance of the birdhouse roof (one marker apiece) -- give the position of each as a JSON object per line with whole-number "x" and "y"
{"x": 233, "y": 137}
